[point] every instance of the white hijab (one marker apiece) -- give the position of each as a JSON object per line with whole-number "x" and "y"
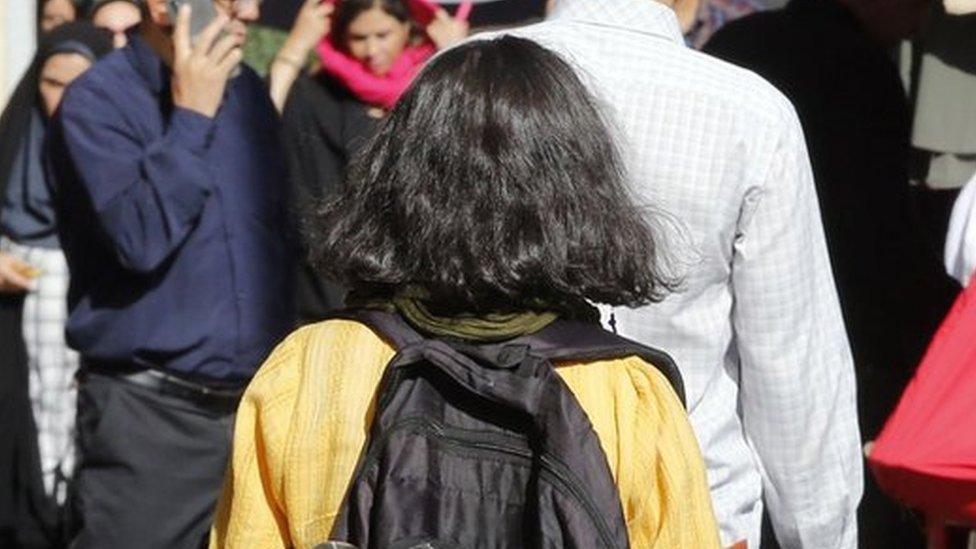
{"x": 960, "y": 249}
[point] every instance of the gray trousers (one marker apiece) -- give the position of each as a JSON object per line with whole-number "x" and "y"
{"x": 151, "y": 466}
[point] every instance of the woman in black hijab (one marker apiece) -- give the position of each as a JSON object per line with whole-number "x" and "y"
{"x": 36, "y": 367}
{"x": 51, "y": 14}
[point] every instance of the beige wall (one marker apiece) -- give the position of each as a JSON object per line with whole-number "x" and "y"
{"x": 16, "y": 42}
{"x": 3, "y": 51}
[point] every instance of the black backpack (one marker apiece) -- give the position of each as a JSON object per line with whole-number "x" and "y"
{"x": 485, "y": 446}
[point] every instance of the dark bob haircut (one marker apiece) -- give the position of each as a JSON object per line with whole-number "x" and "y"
{"x": 494, "y": 185}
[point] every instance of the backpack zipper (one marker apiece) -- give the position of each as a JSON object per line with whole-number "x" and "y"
{"x": 553, "y": 467}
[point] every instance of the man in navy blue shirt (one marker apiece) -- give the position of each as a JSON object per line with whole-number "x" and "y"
{"x": 172, "y": 212}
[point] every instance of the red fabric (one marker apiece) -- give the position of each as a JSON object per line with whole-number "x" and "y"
{"x": 381, "y": 91}
{"x": 384, "y": 91}
{"x": 926, "y": 454}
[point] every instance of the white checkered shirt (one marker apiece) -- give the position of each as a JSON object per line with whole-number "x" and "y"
{"x": 757, "y": 330}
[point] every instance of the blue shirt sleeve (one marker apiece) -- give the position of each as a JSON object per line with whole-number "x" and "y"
{"x": 147, "y": 196}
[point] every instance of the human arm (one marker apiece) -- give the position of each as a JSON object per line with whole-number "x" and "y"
{"x": 250, "y": 512}
{"x": 146, "y": 194}
{"x": 146, "y": 197}
{"x": 313, "y": 23}
{"x": 797, "y": 386}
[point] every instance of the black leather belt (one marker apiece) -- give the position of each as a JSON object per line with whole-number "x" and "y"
{"x": 163, "y": 383}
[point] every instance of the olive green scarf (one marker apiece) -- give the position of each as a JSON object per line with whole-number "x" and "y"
{"x": 413, "y": 304}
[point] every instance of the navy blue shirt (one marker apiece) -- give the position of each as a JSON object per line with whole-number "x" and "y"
{"x": 173, "y": 223}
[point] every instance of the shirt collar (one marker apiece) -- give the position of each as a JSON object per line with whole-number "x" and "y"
{"x": 647, "y": 16}
{"x": 147, "y": 63}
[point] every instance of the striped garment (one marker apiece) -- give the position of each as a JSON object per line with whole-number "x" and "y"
{"x": 718, "y": 156}
{"x": 52, "y": 365}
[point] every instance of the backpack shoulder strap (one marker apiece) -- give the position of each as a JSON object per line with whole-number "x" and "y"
{"x": 561, "y": 341}
{"x": 574, "y": 341}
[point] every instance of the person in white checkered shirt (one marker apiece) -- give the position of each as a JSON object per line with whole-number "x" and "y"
{"x": 757, "y": 330}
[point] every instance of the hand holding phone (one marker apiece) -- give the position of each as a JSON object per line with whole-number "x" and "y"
{"x": 202, "y": 67}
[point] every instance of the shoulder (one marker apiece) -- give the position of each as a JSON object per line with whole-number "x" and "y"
{"x": 733, "y": 90}
{"x": 613, "y": 61}
{"x": 106, "y": 95}
{"x": 317, "y": 352}
{"x": 106, "y": 82}
{"x": 621, "y": 384}
{"x": 251, "y": 93}
{"x": 312, "y": 97}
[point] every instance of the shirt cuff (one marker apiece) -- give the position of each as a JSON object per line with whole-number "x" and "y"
{"x": 192, "y": 129}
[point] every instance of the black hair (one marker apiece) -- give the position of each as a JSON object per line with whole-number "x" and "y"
{"x": 348, "y": 10}
{"x": 96, "y": 5}
{"x": 493, "y": 184}
{"x": 80, "y": 7}
{"x": 79, "y": 37}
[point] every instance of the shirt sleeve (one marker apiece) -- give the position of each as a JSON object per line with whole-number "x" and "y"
{"x": 797, "y": 387}
{"x": 146, "y": 196}
{"x": 251, "y": 512}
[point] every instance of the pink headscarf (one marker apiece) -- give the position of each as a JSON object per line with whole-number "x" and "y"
{"x": 384, "y": 91}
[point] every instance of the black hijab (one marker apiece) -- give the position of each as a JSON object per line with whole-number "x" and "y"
{"x": 76, "y": 37}
{"x": 20, "y": 116}
{"x": 81, "y": 8}
{"x": 95, "y": 5}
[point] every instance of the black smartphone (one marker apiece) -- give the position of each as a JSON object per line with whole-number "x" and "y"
{"x": 203, "y": 12}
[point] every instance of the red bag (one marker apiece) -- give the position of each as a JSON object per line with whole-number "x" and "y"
{"x": 926, "y": 455}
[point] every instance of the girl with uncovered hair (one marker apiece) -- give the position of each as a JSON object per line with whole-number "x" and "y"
{"x": 490, "y": 204}
{"x": 370, "y": 50}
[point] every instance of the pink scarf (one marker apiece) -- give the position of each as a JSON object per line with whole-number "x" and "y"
{"x": 384, "y": 91}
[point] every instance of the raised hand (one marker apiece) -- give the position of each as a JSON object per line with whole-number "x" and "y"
{"x": 314, "y": 22}
{"x": 201, "y": 68}
{"x": 445, "y": 31}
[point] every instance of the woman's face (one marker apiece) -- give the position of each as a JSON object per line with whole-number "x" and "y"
{"x": 117, "y": 18}
{"x": 59, "y": 71}
{"x": 377, "y": 39}
{"x": 56, "y": 13}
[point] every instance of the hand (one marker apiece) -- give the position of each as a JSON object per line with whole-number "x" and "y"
{"x": 445, "y": 31}
{"x": 201, "y": 70}
{"x": 314, "y": 22}
{"x": 15, "y": 275}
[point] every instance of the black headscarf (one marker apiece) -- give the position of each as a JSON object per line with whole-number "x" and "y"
{"x": 95, "y": 5}
{"x": 19, "y": 122}
{"x": 81, "y": 8}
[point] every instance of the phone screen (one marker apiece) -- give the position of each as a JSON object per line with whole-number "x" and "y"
{"x": 203, "y": 12}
